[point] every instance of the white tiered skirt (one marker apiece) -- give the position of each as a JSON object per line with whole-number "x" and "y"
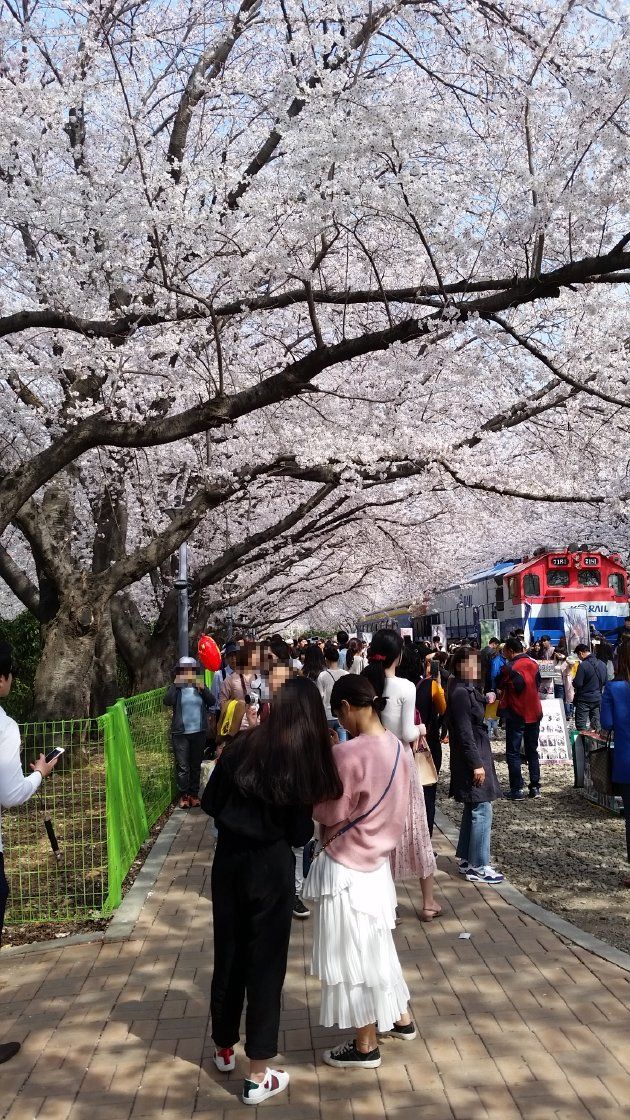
{"x": 353, "y": 948}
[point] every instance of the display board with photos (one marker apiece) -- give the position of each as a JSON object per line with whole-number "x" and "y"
{"x": 553, "y": 741}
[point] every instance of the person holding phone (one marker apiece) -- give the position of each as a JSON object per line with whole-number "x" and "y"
{"x": 431, "y": 704}
{"x": 350, "y": 881}
{"x": 15, "y": 787}
{"x": 473, "y": 777}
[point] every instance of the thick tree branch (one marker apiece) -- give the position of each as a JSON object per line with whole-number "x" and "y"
{"x": 207, "y": 68}
{"x": 512, "y": 291}
{"x": 17, "y": 486}
{"x": 22, "y": 587}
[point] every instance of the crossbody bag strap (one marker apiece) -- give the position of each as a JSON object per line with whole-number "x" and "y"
{"x": 357, "y": 820}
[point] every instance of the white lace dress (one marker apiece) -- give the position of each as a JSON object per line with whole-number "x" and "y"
{"x": 413, "y": 857}
{"x": 354, "y": 955}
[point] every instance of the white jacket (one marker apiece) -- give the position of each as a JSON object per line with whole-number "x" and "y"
{"x": 15, "y": 788}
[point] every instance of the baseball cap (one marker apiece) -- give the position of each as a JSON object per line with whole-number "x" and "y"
{"x": 231, "y": 647}
{"x": 187, "y": 663}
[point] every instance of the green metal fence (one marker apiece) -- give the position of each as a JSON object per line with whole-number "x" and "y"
{"x": 111, "y": 785}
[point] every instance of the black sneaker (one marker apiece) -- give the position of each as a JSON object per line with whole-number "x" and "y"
{"x": 299, "y": 909}
{"x": 535, "y": 791}
{"x": 514, "y": 795}
{"x": 347, "y": 1056}
{"x": 8, "y": 1050}
{"x": 407, "y": 1032}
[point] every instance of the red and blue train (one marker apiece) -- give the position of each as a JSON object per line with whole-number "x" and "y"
{"x": 543, "y": 590}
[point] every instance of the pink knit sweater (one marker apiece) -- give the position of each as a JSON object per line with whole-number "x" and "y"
{"x": 365, "y": 765}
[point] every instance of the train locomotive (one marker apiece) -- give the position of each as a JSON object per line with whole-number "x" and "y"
{"x": 541, "y": 590}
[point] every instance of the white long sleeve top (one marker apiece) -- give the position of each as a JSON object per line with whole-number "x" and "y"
{"x": 326, "y": 681}
{"x": 399, "y": 712}
{"x": 15, "y": 788}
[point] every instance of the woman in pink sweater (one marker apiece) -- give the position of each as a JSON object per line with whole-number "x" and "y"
{"x": 351, "y": 886}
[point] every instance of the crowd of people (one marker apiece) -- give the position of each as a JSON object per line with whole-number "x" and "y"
{"x": 323, "y": 795}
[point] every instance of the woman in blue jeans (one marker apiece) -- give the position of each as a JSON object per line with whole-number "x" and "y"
{"x": 615, "y": 716}
{"x": 473, "y": 777}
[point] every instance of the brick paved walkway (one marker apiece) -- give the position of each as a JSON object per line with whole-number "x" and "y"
{"x": 512, "y": 1023}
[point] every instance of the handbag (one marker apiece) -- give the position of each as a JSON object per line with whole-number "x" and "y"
{"x": 425, "y": 765}
{"x": 357, "y": 820}
{"x": 600, "y": 764}
{"x": 230, "y": 719}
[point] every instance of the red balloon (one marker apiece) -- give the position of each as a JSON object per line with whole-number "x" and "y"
{"x": 209, "y": 653}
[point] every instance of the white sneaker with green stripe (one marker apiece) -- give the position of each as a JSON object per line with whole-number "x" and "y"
{"x": 275, "y": 1081}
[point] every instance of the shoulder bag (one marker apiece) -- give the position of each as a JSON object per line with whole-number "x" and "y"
{"x": 425, "y": 765}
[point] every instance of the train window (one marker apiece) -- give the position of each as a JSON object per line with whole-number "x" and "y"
{"x": 513, "y": 587}
{"x": 617, "y": 583}
{"x": 531, "y": 584}
{"x": 558, "y": 579}
{"x": 589, "y": 578}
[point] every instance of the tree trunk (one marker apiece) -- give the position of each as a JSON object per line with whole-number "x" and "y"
{"x": 161, "y": 650}
{"x": 64, "y": 674}
{"x": 105, "y": 690}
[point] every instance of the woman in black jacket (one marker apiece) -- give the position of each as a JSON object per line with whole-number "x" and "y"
{"x": 473, "y": 777}
{"x": 261, "y": 794}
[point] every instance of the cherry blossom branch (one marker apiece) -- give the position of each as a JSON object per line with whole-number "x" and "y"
{"x": 529, "y": 495}
{"x": 536, "y": 352}
{"x": 18, "y": 485}
{"x": 510, "y": 291}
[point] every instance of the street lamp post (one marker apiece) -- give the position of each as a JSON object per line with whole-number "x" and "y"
{"x": 229, "y": 625}
{"x": 181, "y": 584}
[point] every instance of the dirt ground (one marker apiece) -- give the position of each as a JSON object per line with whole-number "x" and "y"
{"x": 562, "y": 851}
{"x": 26, "y": 933}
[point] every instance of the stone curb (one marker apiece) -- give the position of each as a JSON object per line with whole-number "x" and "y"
{"x": 127, "y": 914}
{"x": 546, "y": 918}
{"x": 125, "y": 917}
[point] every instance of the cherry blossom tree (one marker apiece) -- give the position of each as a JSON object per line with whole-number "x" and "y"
{"x": 271, "y": 254}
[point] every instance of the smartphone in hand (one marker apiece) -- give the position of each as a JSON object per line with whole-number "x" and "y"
{"x": 55, "y": 753}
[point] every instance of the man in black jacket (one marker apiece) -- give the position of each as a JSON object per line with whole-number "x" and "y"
{"x": 588, "y": 684}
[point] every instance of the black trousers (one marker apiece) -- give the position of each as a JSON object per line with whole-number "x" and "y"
{"x": 430, "y": 792}
{"x": 4, "y": 894}
{"x": 188, "y": 751}
{"x": 252, "y": 907}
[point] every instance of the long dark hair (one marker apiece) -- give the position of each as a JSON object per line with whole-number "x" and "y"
{"x": 314, "y": 662}
{"x": 385, "y": 648}
{"x": 288, "y": 760}
{"x": 352, "y": 650}
{"x": 358, "y": 691}
{"x": 623, "y": 661}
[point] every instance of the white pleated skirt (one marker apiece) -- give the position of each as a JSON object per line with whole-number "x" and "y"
{"x": 354, "y": 955}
